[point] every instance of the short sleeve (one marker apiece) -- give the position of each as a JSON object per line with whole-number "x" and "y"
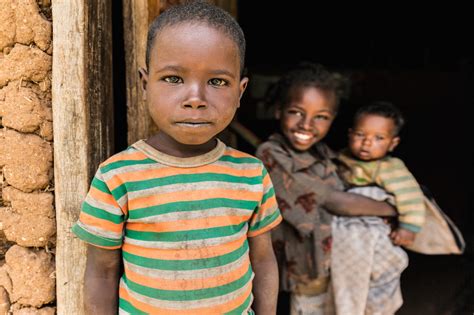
{"x": 267, "y": 215}
{"x": 101, "y": 220}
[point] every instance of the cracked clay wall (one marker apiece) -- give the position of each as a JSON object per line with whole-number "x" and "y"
{"x": 27, "y": 217}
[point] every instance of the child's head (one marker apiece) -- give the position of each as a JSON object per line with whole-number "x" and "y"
{"x": 375, "y": 131}
{"x": 192, "y": 84}
{"x": 307, "y": 100}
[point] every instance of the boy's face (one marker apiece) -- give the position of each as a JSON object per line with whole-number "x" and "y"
{"x": 308, "y": 117}
{"x": 372, "y": 137}
{"x": 193, "y": 86}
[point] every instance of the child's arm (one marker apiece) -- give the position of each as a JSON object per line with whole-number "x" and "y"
{"x": 347, "y": 204}
{"x": 101, "y": 280}
{"x": 396, "y": 179}
{"x": 264, "y": 265}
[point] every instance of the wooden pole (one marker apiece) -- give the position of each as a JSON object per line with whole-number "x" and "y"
{"x": 82, "y": 124}
{"x": 135, "y": 20}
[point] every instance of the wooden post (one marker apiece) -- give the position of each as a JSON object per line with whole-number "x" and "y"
{"x": 82, "y": 124}
{"x": 135, "y": 19}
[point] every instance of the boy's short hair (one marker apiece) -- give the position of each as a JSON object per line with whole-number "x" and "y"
{"x": 199, "y": 12}
{"x": 382, "y": 109}
{"x": 307, "y": 74}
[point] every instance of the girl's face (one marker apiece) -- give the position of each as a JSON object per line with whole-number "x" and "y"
{"x": 307, "y": 118}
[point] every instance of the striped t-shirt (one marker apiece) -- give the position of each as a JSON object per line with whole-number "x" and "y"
{"x": 391, "y": 174}
{"x": 182, "y": 225}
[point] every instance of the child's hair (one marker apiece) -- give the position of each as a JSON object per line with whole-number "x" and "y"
{"x": 197, "y": 12}
{"x": 382, "y": 109}
{"x": 307, "y": 75}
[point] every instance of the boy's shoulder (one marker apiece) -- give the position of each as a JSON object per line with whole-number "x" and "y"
{"x": 128, "y": 156}
{"x": 231, "y": 154}
{"x": 393, "y": 162}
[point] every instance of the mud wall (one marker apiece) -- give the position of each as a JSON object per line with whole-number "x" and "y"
{"x": 27, "y": 217}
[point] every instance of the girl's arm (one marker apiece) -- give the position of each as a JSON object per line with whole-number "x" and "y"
{"x": 347, "y": 204}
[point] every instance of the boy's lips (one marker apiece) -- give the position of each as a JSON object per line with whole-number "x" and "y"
{"x": 193, "y": 123}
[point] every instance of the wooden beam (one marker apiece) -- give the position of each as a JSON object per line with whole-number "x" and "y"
{"x": 82, "y": 124}
{"x": 135, "y": 19}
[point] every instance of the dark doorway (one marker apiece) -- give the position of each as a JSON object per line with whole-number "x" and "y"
{"x": 418, "y": 61}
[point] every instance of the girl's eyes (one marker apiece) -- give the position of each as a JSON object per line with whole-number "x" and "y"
{"x": 173, "y": 79}
{"x": 217, "y": 82}
{"x": 301, "y": 114}
{"x": 294, "y": 112}
{"x": 321, "y": 117}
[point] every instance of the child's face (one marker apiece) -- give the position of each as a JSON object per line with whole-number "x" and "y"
{"x": 372, "y": 137}
{"x": 193, "y": 86}
{"x": 308, "y": 117}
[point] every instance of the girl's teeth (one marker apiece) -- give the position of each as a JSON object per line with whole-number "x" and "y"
{"x": 302, "y": 136}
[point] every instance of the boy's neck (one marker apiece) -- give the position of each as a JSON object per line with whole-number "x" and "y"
{"x": 180, "y": 150}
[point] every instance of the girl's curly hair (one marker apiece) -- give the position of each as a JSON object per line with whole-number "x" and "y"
{"x": 307, "y": 74}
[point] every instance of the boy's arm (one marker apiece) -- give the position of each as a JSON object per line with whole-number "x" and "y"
{"x": 347, "y": 204}
{"x": 264, "y": 265}
{"x": 101, "y": 280}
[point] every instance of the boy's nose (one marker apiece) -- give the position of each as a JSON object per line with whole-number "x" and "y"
{"x": 195, "y": 97}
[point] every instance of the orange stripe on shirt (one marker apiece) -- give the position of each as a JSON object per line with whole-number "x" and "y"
{"x": 134, "y": 156}
{"x": 192, "y": 195}
{"x": 100, "y": 223}
{"x": 185, "y": 254}
{"x": 265, "y": 229}
{"x": 147, "y": 174}
{"x": 103, "y": 197}
{"x": 191, "y": 284}
{"x": 185, "y": 225}
{"x": 217, "y": 309}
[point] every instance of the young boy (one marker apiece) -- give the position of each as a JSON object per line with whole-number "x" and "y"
{"x": 189, "y": 216}
{"x": 366, "y": 266}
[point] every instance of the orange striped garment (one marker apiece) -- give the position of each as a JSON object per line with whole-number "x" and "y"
{"x": 182, "y": 225}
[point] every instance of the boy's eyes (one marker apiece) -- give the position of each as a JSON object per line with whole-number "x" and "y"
{"x": 173, "y": 79}
{"x": 214, "y": 81}
{"x": 217, "y": 82}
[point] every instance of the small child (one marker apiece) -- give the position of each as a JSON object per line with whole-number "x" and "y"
{"x": 188, "y": 216}
{"x": 365, "y": 264}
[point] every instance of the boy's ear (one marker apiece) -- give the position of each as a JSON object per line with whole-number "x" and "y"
{"x": 349, "y": 132}
{"x": 144, "y": 80}
{"x": 393, "y": 144}
{"x": 243, "y": 85}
